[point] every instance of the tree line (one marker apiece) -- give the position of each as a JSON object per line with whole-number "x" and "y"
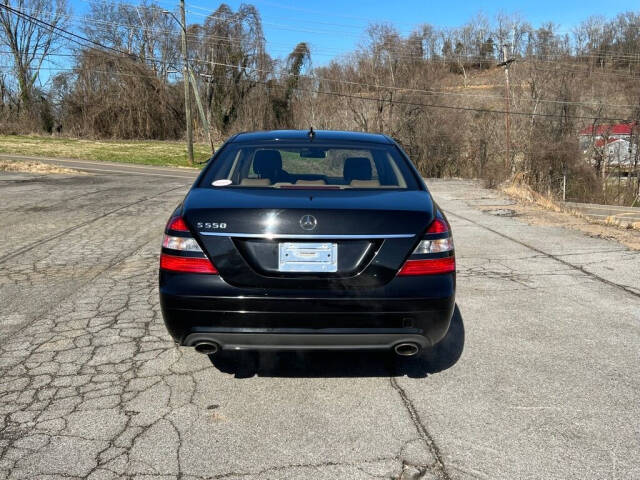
{"x": 438, "y": 91}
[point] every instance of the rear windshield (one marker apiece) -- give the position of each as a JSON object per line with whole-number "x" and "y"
{"x": 310, "y": 167}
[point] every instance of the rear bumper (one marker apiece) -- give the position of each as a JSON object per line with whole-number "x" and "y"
{"x": 286, "y": 340}
{"x": 200, "y": 308}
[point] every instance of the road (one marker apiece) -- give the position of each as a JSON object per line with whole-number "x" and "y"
{"x": 101, "y": 167}
{"x": 602, "y": 212}
{"x": 541, "y": 380}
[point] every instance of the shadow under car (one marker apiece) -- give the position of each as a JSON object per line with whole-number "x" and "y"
{"x": 326, "y": 364}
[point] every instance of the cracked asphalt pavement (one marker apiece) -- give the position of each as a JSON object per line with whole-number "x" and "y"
{"x": 539, "y": 377}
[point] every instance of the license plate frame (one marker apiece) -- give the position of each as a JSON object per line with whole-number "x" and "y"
{"x": 308, "y": 257}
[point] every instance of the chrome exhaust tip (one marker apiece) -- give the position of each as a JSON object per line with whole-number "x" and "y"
{"x": 206, "y": 348}
{"x": 406, "y": 349}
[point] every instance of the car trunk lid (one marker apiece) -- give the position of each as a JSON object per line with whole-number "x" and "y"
{"x": 243, "y": 231}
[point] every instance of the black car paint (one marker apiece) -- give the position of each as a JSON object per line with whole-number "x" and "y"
{"x": 248, "y": 306}
{"x": 234, "y": 208}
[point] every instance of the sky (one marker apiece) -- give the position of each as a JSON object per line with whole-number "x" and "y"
{"x": 335, "y": 27}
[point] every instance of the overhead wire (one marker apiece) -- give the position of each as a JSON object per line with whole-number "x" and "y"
{"x": 429, "y": 92}
{"x": 315, "y": 51}
{"x": 404, "y": 102}
{"x": 630, "y": 55}
{"x": 470, "y": 58}
{"x": 62, "y": 31}
{"x": 215, "y": 14}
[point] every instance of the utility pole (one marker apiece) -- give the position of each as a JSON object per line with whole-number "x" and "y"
{"x": 506, "y": 61}
{"x": 189, "y": 78}
{"x": 203, "y": 117}
{"x": 185, "y": 80}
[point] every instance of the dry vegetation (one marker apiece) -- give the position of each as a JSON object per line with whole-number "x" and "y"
{"x": 31, "y": 166}
{"x": 539, "y": 209}
{"x": 437, "y": 91}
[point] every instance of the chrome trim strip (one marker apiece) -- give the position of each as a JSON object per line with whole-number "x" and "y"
{"x": 305, "y": 237}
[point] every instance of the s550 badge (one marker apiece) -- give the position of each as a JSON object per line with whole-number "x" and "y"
{"x": 211, "y": 225}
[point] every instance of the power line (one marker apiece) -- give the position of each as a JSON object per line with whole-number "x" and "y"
{"x": 379, "y": 87}
{"x": 403, "y": 89}
{"x": 130, "y": 27}
{"x": 434, "y": 105}
{"x": 54, "y": 28}
{"x": 490, "y": 33}
{"x": 611, "y": 55}
{"x": 93, "y": 70}
{"x": 468, "y": 59}
{"x": 387, "y": 101}
{"x": 213, "y": 14}
{"x": 353, "y": 26}
{"x": 335, "y": 94}
{"x": 576, "y": 69}
{"x": 315, "y": 51}
{"x": 275, "y": 25}
{"x": 374, "y": 86}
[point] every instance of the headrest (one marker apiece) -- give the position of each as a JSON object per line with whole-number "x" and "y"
{"x": 267, "y": 162}
{"x": 357, "y": 168}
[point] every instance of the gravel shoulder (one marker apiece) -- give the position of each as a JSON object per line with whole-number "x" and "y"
{"x": 536, "y": 210}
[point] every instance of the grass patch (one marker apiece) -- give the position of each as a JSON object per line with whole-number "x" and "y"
{"x": 147, "y": 152}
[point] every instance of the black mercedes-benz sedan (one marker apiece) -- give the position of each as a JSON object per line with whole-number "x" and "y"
{"x": 308, "y": 240}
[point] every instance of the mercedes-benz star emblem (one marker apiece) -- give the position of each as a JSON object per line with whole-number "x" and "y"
{"x": 308, "y": 222}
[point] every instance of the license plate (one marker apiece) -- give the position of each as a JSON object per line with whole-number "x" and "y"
{"x": 307, "y": 257}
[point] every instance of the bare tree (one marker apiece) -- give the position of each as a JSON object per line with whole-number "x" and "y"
{"x": 111, "y": 96}
{"x": 230, "y": 47}
{"x": 30, "y": 42}
{"x": 141, "y": 30}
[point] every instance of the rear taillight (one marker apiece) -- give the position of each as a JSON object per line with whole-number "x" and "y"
{"x": 181, "y": 252}
{"x": 434, "y": 254}
{"x": 438, "y": 226}
{"x": 175, "y": 263}
{"x": 431, "y": 266}
{"x": 177, "y": 224}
